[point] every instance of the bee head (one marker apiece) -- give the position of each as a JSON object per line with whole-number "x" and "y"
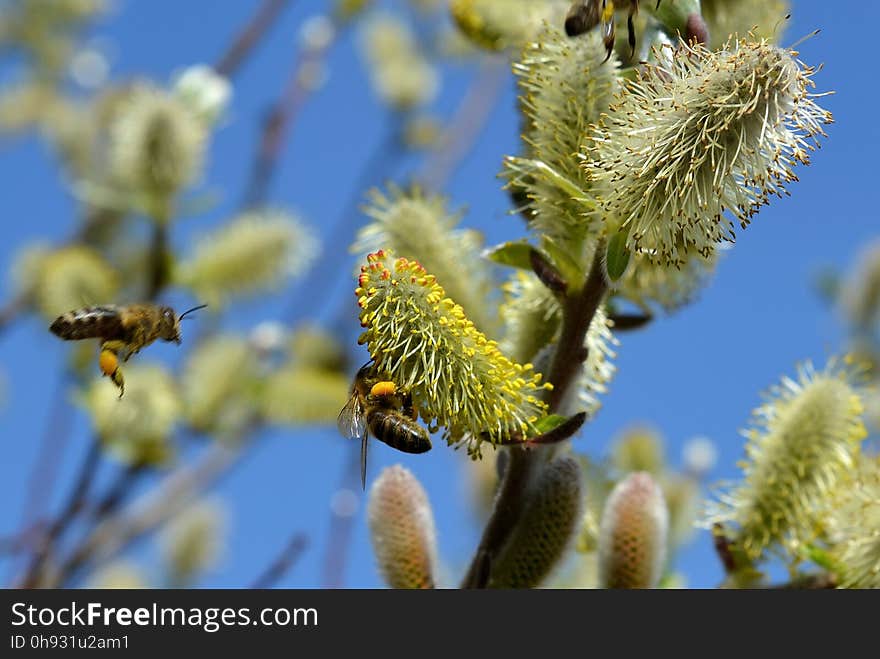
{"x": 169, "y": 328}
{"x": 169, "y": 325}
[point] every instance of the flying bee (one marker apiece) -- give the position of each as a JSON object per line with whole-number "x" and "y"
{"x": 378, "y": 407}
{"x": 123, "y": 331}
{"x": 584, "y": 15}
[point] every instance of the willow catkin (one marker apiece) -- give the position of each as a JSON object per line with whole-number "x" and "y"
{"x": 632, "y": 534}
{"x": 402, "y": 530}
{"x": 546, "y": 528}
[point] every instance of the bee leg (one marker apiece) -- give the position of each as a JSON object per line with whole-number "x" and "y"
{"x": 631, "y": 34}
{"x": 608, "y": 28}
{"x": 364, "y": 460}
{"x": 408, "y": 408}
{"x": 119, "y": 381}
{"x": 109, "y": 363}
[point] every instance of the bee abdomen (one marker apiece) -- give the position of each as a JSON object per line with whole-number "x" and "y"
{"x": 399, "y": 432}
{"x": 88, "y": 323}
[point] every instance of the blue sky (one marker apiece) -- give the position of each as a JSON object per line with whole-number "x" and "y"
{"x": 699, "y": 372}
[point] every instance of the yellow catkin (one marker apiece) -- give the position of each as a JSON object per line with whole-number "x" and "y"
{"x": 423, "y": 340}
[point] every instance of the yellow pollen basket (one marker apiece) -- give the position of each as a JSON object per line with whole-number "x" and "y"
{"x": 382, "y": 389}
{"x": 108, "y": 362}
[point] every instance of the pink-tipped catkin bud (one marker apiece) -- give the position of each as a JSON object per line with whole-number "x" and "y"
{"x": 548, "y": 524}
{"x": 632, "y": 535}
{"x": 402, "y": 529}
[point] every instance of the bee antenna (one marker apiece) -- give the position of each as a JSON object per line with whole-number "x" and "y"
{"x": 189, "y": 311}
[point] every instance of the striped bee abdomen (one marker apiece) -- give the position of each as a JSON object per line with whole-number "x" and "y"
{"x": 88, "y": 323}
{"x": 398, "y": 431}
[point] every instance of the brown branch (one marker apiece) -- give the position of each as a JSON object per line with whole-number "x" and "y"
{"x": 578, "y": 310}
{"x": 35, "y": 576}
{"x": 577, "y": 314}
{"x": 283, "y": 562}
{"x": 114, "y": 533}
{"x": 52, "y": 444}
{"x": 249, "y": 36}
{"x": 118, "y": 491}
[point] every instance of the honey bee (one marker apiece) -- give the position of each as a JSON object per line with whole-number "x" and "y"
{"x": 584, "y": 15}
{"x": 378, "y": 407}
{"x": 123, "y": 331}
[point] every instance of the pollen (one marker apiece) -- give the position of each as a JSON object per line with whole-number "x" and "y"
{"x": 108, "y": 361}
{"x": 382, "y": 389}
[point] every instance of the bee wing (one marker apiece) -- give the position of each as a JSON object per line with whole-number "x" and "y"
{"x": 352, "y": 422}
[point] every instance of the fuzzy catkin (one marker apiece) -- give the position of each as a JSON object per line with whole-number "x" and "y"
{"x": 500, "y": 24}
{"x": 213, "y": 384}
{"x": 633, "y": 534}
{"x": 803, "y": 441}
{"x": 546, "y": 528}
{"x": 70, "y": 278}
{"x": 192, "y": 541}
{"x": 565, "y": 87}
{"x": 419, "y": 226}
{"x": 157, "y": 145}
{"x": 532, "y": 317}
{"x": 136, "y": 428}
{"x": 853, "y": 521}
{"x": 701, "y": 142}
{"x": 401, "y": 75}
{"x": 252, "y": 253}
{"x": 402, "y": 530}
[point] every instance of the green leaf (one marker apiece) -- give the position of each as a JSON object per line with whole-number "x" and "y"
{"x": 515, "y": 254}
{"x": 549, "y": 422}
{"x": 570, "y": 270}
{"x": 616, "y": 256}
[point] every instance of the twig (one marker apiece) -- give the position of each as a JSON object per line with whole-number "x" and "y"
{"x": 117, "y": 492}
{"x": 52, "y": 444}
{"x": 578, "y": 311}
{"x": 249, "y": 36}
{"x": 113, "y": 534}
{"x": 577, "y": 314}
{"x": 284, "y": 561}
{"x": 34, "y": 576}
